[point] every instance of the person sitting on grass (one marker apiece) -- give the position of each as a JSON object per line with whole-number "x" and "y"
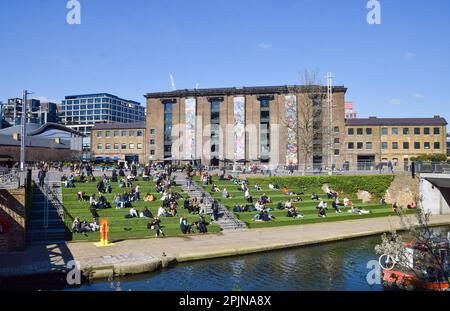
{"x": 145, "y": 176}
{"x": 331, "y": 194}
{"x": 93, "y": 200}
{"x": 155, "y": 224}
{"x": 100, "y": 187}
{"x": 280, "y": 206}
{"x": 184, "y": 226}
{"x": 146, "y": 213}
{"x": 259, "y": 206}
{"x": 159, "y": 188}
{"x": 118, "y": 201}
{"x": 288, "y": 204}
{"x": 94, "y": 226}
{"x": 134, "y": 213}
{"x": 214, "y": 188}
{"x": 265, "y": 199}
{"x": 93, "y": 210}
{"x": 263, "y": 216}
{"x": 315, "y": 197}
{"x": 322, "y": 212}
{"x": 322, "y": 204}
{"x": 76, "y": 225}
{"x": 273, "y": 187}
{"x": 107, "y": 183}
{"x": 71, "y": 183}
{"x": 226, "y": 194}
{"x": 257, "y": 187}
{"x": 347, "y": 202}
{"x": 172, "y": 209}
{"x": 81, "y": 196}
{"x": 292, "y": 212}
{"x": 247, "y": 196}
{"x": 162, "y": 212}
{"x": 103, "y": 203}
{"x": 149, "y": 197}
{"x": 412, "y": 205}
{"x": 202, "y": 225}
{"x": 335, "y": 205}
{"x": 358, "y": 211}
{"x": 286, "y": 191}
{"x": 396, "y": 208}
{"x": 131, "y": 178}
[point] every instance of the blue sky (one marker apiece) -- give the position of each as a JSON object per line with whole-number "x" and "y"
{"x": 400, "y": 68}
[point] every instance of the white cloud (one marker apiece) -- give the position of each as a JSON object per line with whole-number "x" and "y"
{"x": 395, "y": 101}
{"x": 264, "y": 46}
{"x": 418, "y": 95}
{"x": 409, "y": 55}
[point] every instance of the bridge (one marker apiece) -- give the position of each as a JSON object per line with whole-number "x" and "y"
{"x": 435, "y": 192}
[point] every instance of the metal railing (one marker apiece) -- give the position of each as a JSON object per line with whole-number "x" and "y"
{"x": 432, "y": 167}
{"x": 12, "y": 179}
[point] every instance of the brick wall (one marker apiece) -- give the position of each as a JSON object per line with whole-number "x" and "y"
{"x": 12, "y": 210}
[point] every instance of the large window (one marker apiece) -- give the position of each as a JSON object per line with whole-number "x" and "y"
{"x": 369, "y": 145}
{"x": 139, "y": 145}
{"x": 436, "y": 131}
{"x": 406, "y": 131}
{"x": 99, "y": 147}
{"x": 215, "y": 127}
{"x": 426, "y": 131}
{"x": 368, "y": 131}
{"x": 359, "y": 131}
{"x": 351, "y": 145}
{"x": 394, "y": 131}
{"x": 405, "y": 145}
{"x": 168, "y": 110}
{"x": 132, "y": 146}
{"x": 417, "y": 131}
{"x": 99, "y": 134}
{"x": 265, "y": 127}
{"x": 416, "y": 145}
{"x": 395, "y": 145}
{"x": 351, "y": 131}
{"x": 437, "y": 145}
{"x": 384, "y": 145}
{"x": 427, "y": 145}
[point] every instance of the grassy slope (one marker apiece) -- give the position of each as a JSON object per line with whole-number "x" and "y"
{"x": 307, "y": 207}
{"x": 120, "y": 227}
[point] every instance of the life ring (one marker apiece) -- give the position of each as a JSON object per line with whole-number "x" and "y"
{"x": 4, "y": 226}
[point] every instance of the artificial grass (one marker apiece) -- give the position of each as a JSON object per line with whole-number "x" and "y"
{"x": 121, "y": 228}
{"x": 307, "y": 207}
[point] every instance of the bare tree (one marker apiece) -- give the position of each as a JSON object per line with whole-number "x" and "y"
{"x": 309, "y": 126}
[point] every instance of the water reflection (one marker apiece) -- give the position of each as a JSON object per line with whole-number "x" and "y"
{"x": 334, "y": 266}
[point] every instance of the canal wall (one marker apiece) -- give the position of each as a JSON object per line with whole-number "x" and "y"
{"x": 143, "y": 256}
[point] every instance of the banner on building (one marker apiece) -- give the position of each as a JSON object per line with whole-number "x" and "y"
{"x": 239, "y": 128}
{"x": 191, "y": 107}
{"x": 291, "y": 129}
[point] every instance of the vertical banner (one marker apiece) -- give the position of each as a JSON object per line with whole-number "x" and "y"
{"x": 290, "y": 104}
{"x": 191, "y": 107}
{"x": 239, "y": 128}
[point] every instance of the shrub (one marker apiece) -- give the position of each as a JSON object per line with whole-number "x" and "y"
{"x": 374, "y": 184}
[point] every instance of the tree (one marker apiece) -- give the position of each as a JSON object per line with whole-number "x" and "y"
{"x": 309, "y": 125}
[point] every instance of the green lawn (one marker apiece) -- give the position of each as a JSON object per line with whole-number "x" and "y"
{"x": 307, "y": 207}
{"x": 120, "y": 227}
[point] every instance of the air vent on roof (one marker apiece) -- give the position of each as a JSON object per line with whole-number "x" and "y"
{"x": 437, "y": 116}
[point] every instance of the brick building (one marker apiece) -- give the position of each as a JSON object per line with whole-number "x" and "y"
{"x": 374, "y": 140}
{"x": 261, "y": 125}
{"x": 119, "y": 142}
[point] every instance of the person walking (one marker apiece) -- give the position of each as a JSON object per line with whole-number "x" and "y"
{"x": 41, "y": 176}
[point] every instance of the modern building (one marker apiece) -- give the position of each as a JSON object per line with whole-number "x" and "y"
{"x": 350, "y": 112}
{"x": 274, "y": 125}
{"x": 82, "y": 112}
{"x": 48, "y": 142}
{"x": 37, "y": 112}
{"x": 119, "y": 142}
{"x": 373, "y": 140}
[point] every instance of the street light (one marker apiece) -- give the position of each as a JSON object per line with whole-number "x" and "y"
{"x": 23, "y": 129}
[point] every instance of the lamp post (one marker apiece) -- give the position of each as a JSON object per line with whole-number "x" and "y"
{"x": 23, "y": 129}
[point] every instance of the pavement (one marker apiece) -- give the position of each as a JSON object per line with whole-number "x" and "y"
{"x": 141, "y": 256}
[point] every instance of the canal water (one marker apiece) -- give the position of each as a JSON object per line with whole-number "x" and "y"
{"x": 327, "y": 267}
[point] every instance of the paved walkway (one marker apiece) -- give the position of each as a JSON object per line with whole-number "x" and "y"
{"x": 137, "y": 256}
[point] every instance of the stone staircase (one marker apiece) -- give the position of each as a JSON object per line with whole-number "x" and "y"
{"x": 227, "y": 220}
{"x": 46, "y": 225}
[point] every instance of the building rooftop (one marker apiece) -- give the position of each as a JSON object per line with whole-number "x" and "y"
{"x": 8, "y": 140}
{"x": 237, "y": 91}
{"x": 36, "y": 129}
{"x": 100, "y": 95}
{"x": 437, "y": 121}
{"x": 119, "y": 126}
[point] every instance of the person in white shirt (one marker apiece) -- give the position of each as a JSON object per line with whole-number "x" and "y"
{"x": 322, "y": 204}
{"x": 161, "y": 212}
{"x": 133, "y": 212}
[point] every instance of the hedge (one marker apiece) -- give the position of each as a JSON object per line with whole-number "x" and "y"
{"x": 374, "y": 184}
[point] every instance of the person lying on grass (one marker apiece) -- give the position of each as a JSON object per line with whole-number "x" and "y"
{"x": 347, "y": 202}
{"x": 263, "y": 216}
{"x": 273, "y": 187}
{"x": 83, "y": 226}
{"x": 315, "y": 197}
{"x": 214, "y": 188}
{"x": 359, "y": 211}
